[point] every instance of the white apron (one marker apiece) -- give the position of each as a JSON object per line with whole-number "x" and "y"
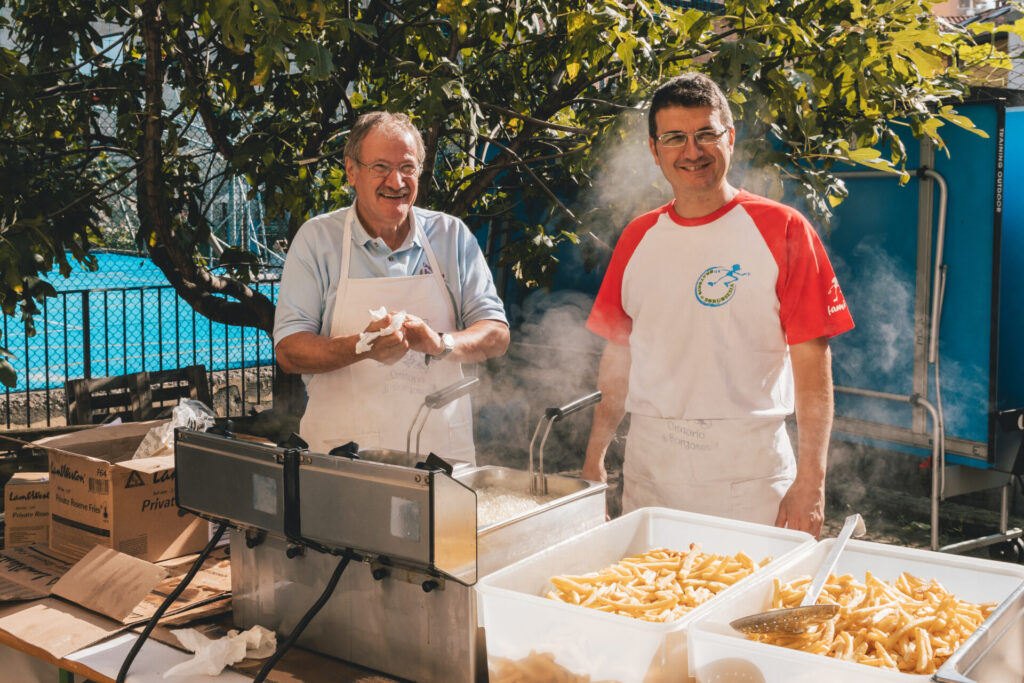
{"x": 372, "y": 403}
{"x": 739, "y": 469}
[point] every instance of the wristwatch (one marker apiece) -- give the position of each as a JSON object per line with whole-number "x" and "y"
{"x": 448, "y": 342}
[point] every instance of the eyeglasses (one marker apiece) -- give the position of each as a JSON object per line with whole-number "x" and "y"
{"x": 382, "y": 170}
{"x": 676, "y": 138}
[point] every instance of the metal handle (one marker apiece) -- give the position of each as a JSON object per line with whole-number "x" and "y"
{"x": 443, "y": 397}
{"x": 556, "y": 414}
{"x": 539, "y": 483}
{"x": 438, "y": 399}
{"x": 854, "y": 525}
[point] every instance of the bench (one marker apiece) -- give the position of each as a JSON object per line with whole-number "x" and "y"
{"x": 134, "y": 397}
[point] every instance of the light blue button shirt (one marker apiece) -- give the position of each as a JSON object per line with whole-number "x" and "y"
{"x": 309, "y": 282}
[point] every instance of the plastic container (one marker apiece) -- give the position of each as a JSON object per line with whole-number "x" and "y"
{"x": 719, "y": 654}
{"x": 518, "y": 618}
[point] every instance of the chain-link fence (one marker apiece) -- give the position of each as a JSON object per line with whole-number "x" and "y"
{"x": 125, "y": 317}
{"x": 129, "y": 320}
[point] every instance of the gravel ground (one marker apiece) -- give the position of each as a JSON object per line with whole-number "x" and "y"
{"x": 892, "y": 493}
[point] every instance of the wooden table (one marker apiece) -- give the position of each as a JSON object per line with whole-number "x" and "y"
{"x": 101, "y": 662}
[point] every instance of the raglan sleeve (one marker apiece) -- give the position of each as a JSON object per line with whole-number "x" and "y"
{"x": 811, "y": 301}
{"x": 608, "y": 318}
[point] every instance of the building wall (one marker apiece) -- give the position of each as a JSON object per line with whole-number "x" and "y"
{"x": 964, "y": 8}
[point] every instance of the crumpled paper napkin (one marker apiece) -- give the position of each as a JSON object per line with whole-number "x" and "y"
{"x": 211, "y": 656}
{"x": 366, "y": 339}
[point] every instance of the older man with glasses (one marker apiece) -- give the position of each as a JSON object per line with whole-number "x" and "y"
{"x": 367, "y": 378}
{"x": 717, "y": 308}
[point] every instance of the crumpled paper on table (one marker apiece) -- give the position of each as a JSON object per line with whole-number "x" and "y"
{"x": 211, "y": 656}
{"x": 366, "y": 339}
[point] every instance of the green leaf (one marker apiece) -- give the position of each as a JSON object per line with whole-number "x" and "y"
{"x": 264, "y": 59}
{"x": 7, "y": 375}
{"x": 575, "y": 22}
{"x": 323, "y": 64}
{"x": 282, "y": 81}
{"x": 964, "y": 122}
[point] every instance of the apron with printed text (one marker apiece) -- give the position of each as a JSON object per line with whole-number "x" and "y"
{"x": 738, "y": 469}
{"x": 372, "y": 403}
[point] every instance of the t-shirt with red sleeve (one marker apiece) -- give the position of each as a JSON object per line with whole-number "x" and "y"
{"x": 710, "y": 305}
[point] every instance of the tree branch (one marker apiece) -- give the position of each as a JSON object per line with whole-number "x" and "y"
{"x": 540, "y": 123}
{"x": 220, "y": 140}
{"x": 526, "y": 167}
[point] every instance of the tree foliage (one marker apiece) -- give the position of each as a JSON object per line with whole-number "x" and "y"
{"x": 517, "y": 100}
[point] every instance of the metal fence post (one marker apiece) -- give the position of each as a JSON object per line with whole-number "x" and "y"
{"x": 86, "y": 338}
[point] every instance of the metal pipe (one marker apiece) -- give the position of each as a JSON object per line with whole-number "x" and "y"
{"x": 899, "y": 398}
{"x": 938, "y": 384}
{"x": 938, "y": 294}
{"x": 86, "y": 340}
{"x": 940, "y": 238}
{"x": 938, "y": 454}
{"x": 106, "y": 336}
{"x": 867, "y": 174}
{"x": 46, "y": 358}
{"x": 981, "y": 541}
{"x": 938, "y": 465}
{"x": 1004, "y": 508}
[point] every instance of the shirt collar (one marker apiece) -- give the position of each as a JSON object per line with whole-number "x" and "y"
{"x": 361, "y": 237}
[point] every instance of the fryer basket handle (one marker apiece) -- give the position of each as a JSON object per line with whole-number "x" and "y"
{"x": 556, "y": 414}
{"x": 443, "y": 397}
{"x": 539, "y": 482}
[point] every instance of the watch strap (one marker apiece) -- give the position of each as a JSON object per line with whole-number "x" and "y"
{"x": 448, "y": 341}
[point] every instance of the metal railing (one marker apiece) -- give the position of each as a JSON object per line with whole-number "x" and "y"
{"x": 90, "y": 333}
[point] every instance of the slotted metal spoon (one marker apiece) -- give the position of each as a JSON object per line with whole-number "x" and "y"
{"x": 796, "y": 619}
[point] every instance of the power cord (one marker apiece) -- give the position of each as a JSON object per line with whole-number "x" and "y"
{"x": 306, "y": 618}
{"x": 182, "y": 585}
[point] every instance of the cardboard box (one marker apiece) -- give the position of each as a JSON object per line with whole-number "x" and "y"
{"x": 100, "y": 496}
{"x": 27, "y": 509}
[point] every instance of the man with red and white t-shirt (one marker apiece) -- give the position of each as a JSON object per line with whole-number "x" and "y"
{"x": 717, "y": 308}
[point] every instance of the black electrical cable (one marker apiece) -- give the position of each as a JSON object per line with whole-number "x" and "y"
{"x": 182, "y": 585}
{"x": 306, "y": 618}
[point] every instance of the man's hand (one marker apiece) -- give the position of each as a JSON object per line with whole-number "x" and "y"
{"x": 421, "y": 337}
{"x": 390, "y": 348}
{"x": 803, "y": 507}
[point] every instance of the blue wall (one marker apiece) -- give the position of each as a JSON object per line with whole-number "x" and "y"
{"x": 1011, "y": 301}
{"x": 874, "y": 247}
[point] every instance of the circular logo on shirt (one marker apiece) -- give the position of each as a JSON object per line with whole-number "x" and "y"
{"x": 717, "y": 284}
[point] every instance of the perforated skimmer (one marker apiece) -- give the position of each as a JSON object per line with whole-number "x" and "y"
{"x": 796, "y": 619}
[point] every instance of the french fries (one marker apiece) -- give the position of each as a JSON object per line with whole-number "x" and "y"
{"x": 659, "y": 585}
{"x": 910, "y": 625}
{"x": 534, "y": 668}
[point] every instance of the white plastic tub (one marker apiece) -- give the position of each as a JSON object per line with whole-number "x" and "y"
{"x": 718, "y": 653}
{"x": 518, "y": 618}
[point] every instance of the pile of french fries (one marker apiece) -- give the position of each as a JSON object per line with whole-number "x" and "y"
{"x": 910, "y": 625}
{"x": 659, "y": 585}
